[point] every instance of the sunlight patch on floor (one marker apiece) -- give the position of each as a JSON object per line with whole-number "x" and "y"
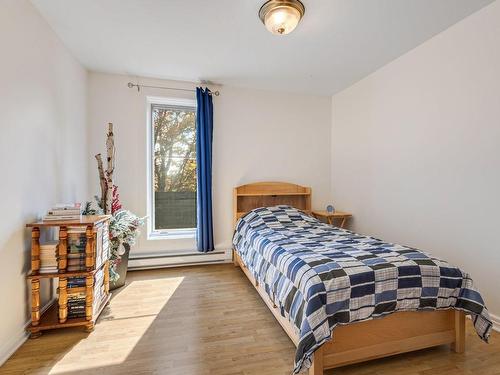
{"x": 121, "y": 326}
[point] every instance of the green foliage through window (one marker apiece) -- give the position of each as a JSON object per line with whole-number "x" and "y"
{"x": 174, "y": 166}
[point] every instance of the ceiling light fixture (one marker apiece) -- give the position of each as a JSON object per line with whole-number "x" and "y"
{"x": 281, "y": 16}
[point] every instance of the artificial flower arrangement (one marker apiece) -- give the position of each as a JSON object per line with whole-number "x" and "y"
{"x": 123, "y": 229}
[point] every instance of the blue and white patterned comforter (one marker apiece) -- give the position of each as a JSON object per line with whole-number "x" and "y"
{"x": 321, "y": 276}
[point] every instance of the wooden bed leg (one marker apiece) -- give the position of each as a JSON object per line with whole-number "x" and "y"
{"x": 459, "y": 345}
{"x": 235, "y": 261}
{"x": 317, "y": 364}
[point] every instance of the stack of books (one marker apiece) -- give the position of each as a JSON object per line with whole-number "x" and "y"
{"x": 64, "y": 211}
{"x": 76, "y": 282}
{"x": 48, "y": 257}
{"x": 76, "y": 305}
{"x": 77, "y": 240}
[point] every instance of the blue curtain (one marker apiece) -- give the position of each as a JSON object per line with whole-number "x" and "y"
{"x": 204, "y": 135}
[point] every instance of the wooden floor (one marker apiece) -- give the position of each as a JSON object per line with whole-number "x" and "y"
{"x": 209, "y": 320}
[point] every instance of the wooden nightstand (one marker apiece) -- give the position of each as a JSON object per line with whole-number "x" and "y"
{"x": 331, "y": 216}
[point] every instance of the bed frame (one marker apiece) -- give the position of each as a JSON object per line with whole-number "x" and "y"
{"x": 397, "y": 333}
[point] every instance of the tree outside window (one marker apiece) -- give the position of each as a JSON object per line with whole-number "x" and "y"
{"x": 174, "y": 166}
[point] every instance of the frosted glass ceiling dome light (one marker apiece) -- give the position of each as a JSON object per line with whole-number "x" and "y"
{"x": 281, "y": 16}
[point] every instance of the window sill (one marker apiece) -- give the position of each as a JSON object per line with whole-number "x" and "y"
{"x": 176, "y": 234}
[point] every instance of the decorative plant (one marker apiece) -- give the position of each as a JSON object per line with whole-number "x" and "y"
{"x": 123, "y": 225}
{"x": 123, "y": 229}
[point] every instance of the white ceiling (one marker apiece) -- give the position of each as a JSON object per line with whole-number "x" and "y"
{"x": 337, "y": 43}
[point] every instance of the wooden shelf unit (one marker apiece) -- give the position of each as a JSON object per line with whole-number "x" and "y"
{"x": 266, "y": 194}
{"x": 95, "y": 272}
{"x": 272, "y": 194}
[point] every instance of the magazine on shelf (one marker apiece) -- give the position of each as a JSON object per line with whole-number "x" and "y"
{"x": 61, "y": 217}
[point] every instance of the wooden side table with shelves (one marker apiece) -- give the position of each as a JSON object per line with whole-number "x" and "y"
{"x": 330, "y": 217}
{"x": 95, "y": 271}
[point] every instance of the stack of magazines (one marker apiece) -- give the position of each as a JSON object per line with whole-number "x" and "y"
{"x": 48, "y": 257}
{"x": 77, "y": 240}
{"x": 99, "y": 294}
{"x": 64, "y": 211}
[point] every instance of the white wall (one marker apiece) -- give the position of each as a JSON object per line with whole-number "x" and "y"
{"x": 266, "y": 136}
{"x": 43, "y": 147}
{"x": 416, "y": 149}
{"x": 258, "y": 135}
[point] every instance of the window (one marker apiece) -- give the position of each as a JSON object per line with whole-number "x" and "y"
{"x": 173, "y": 167}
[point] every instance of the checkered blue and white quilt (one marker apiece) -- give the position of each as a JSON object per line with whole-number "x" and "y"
{"x": 321, "y": 276}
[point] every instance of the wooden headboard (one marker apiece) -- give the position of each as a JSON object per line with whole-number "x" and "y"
{"x": 265, "y": 194}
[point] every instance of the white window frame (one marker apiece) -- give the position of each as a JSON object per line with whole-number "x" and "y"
{"x": 161, "y": 234}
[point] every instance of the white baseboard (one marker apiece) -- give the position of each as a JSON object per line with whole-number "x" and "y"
{"x": 496, "y": 322}
{"x": 9, "y": 346}
{"x": 178, "y": 259}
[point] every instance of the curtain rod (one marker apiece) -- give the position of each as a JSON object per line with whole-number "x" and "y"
{"x": 132, "y": 85}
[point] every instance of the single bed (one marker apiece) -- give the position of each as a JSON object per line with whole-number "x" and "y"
{"x": 341, "y": 297}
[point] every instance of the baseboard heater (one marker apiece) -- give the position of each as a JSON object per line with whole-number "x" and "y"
{"x": 175, "y": 260}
